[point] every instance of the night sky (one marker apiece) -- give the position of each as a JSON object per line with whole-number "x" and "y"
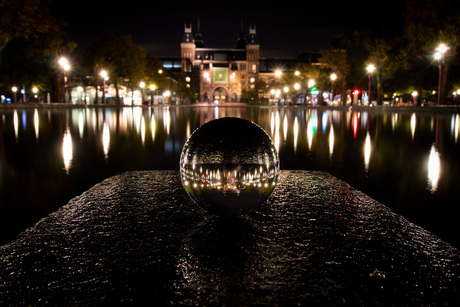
{"x": 282, "y": 31}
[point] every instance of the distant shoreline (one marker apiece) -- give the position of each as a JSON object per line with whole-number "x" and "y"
{"x": 432, "y": 109}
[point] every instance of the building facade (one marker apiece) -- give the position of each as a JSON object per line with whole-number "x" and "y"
{"x": 220, "y": 75}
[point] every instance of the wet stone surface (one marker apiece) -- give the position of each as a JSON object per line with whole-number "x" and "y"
{"x": 137, "y": 238}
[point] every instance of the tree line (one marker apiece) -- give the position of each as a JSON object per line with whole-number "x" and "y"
{"x": 32, "y": 40}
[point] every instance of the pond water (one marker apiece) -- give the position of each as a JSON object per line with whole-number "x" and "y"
{"x": 408, "y": 160}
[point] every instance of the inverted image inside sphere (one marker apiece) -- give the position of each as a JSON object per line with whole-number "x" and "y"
{"x": 229, "y": 166}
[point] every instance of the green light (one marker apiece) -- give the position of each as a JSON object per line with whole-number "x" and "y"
{"x": 314, "y": 90}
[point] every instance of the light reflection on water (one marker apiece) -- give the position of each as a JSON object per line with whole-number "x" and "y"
{"x": 407, "y": 160}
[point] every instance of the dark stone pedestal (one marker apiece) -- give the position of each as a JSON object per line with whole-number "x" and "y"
{"x": 138, "y": 239}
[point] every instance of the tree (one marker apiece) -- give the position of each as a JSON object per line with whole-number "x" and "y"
{"x": 335, "y": 61}
{"x": 26, "y": 19}
{"x": 184, "y": 90}
{"x": 154, "y": 73}
{"x": 385, "y": 54}
{"x": 316, "y": 73}
{"x": 428, "y": 23}
{"x": 120, "y": 57}
{"x": 29, "y": 39}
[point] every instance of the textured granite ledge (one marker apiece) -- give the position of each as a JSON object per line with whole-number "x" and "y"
{"x": 138, "y": 239}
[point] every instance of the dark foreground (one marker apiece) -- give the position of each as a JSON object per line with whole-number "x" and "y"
{"x": 138, "y": 239}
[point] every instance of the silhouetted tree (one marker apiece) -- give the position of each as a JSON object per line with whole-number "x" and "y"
{"x": 120, "y": 57}
{"x": 335, "y": 61}
{"x": 30, "y": 38}
{"x": 428, "y": 23}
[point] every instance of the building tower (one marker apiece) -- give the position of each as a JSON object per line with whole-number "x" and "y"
{"x": 252, "y": 58}
{"x": 188, "y": 48}
{"x": 219, "y": 74}
{"x": 241, "y": 44}
{"x": 199, "y": 42}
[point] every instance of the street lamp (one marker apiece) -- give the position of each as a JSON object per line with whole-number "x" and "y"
{"x": 14, "y": 89}
{"x": 414, "y": 95}
{"x": 152, "y": 89}
{"x": 333, "y": 78}
{"x": 166, "y": 95}
{"x": 35, "y": 92}
{"x": 439, "y": 55}
{"x": 370, "y": 68}
{"x": 142, "y": 86}
{"x": 65, "y": 67}
{"x": 286, "y": 91}
{"x": 104, "y": 76}
{"x": 311, "y": 84}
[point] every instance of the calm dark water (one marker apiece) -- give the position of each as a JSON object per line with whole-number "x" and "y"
{"x": 407, "y": 160}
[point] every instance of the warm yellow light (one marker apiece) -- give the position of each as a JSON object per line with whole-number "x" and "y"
{"x": 152, "y": 87}
{"x": 442, "y": 48}
{"x": 64, "y": 63}
{"x": 370, "y": 68}
{"x": 278, "y": 73}
{"x": 333, "y": 77}
{"x": 104, "y": 74}
{"x": 142, "y": 84}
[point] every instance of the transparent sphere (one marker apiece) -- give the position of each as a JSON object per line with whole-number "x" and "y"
{"x": 229, "y": 166}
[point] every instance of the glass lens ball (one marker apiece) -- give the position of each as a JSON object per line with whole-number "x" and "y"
{"x": 229, "y": 166}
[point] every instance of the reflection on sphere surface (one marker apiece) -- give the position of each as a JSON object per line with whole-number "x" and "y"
{"x": 229, "y": 166}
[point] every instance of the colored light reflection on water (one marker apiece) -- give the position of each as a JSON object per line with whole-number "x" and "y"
{"x": 406, "y": 160}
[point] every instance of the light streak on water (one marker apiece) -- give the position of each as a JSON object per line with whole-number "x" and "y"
{"x": 67, "y": 150}
{"x": 434, "y": 169}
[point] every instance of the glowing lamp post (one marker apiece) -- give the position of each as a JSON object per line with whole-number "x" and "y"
{"x": 14, "y": 89}
{"x": 333, "y": 78}
{"x": 104, "y": 76}
{"x": 152, "y": 89}
{"x": 35, "y": 92}
{"x": 439, "y": 55}
{"x": 311, "y": 84}
{"x": 166, "y": 95}
{"x": 65, "y": 67}
{"x": 370, "y": 69}
{"x": 142, "y": 86}
{"x": 414, "y": 96}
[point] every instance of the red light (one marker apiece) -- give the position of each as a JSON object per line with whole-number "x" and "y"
{"x": 356, "y": 92}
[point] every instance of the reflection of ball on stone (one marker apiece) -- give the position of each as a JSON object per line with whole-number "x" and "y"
{"x": 229, "y": 166}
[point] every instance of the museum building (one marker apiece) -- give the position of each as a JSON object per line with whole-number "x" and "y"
{"x": 220, "y": 74}
{"x": 223, "y": 75}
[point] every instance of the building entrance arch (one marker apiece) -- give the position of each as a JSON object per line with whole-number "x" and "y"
{"x": 220, "y": 94}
